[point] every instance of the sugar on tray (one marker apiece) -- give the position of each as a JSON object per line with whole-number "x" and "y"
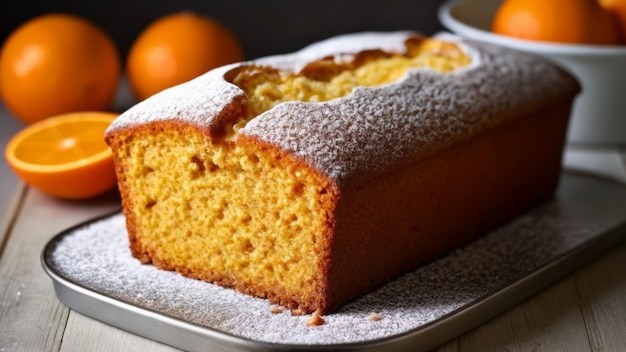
{"x": 97, "y": 257}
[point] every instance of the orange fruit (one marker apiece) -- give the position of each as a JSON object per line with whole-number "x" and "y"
{"x": 618, "y": 8}
{"x": 563, "y": 21}
{"x": 176, "y": 48}
{"x": 65, "y": 156}
{"x": 58, "y": 63}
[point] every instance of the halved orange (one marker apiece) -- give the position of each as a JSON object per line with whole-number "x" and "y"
{"x": 65, "y": 156}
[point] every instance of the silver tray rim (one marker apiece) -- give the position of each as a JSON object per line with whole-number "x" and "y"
{"x": 189, "y": 336}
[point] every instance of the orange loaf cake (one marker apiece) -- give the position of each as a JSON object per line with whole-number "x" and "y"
{"x": 312, "y": 178}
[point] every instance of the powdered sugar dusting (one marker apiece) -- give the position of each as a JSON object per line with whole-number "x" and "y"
{"x": 97, "y": 257}
{"x": 373, "y": 128}
{"x": 198, "y": 102}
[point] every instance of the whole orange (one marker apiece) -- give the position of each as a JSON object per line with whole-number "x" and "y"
{"x": 176, "y": 48}
{"x": 55, "y": 64}
{"x": 563, "y": 21}
{"x": 618, "y": 8}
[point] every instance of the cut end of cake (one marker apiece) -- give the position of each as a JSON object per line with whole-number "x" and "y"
{"x": 237, "y": 215}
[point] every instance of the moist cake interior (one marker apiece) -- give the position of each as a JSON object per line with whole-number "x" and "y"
{"x": 216, "y": 207}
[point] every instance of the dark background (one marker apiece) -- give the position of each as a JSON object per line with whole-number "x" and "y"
{"x": 264, "y": 27}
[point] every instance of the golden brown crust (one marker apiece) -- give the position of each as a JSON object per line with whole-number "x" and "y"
{"x": 406, "y": 218}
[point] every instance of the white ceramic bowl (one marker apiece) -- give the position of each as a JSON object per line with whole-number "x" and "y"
{"x": 599, "y": 115}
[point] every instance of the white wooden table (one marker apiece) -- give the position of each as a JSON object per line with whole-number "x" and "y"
{"x": 585, "y": 311}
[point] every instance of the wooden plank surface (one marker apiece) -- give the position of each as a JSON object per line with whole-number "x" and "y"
{"x": 549, "y": 321}
{"x": 31, "y": 318}
{"x": 601, "y": 290}
{"x": 86, "y": 334}
{"x": 10, "y": 186}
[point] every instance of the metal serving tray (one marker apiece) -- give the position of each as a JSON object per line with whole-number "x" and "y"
{"x": 94, "y": 274}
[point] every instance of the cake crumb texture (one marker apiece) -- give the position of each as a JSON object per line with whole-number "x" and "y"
{"x": 315, "y": 319}
{"x": 375, "y": 317}
{"x": 209, "y": 210}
